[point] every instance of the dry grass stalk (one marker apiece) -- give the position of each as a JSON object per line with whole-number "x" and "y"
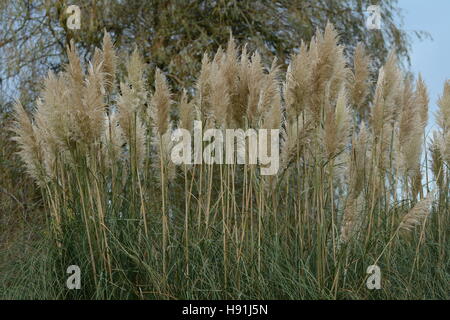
{"x": 418, "y": 214}
{"x": 109, "y": 62}
{"x": 359, "y": 80}
{"x": 443, "y": 121}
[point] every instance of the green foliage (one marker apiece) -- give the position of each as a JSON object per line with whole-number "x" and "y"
{"x": 172, "y": 35}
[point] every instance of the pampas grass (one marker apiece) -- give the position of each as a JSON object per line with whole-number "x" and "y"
{"x": 350, "y": 177}
{"x": 417, "y": 215}
{"x": 360, "y": 80}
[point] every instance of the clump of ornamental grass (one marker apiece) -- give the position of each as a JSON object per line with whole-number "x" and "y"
{"x": 351, "y": 175}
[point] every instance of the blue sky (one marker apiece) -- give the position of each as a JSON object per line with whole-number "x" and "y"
{"x": 429, "y": 57}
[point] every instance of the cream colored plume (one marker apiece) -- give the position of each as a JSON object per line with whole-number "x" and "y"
{"x": 418, "y": 214}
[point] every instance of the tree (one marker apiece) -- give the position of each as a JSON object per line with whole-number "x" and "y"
{"x": 174, "y": 34}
